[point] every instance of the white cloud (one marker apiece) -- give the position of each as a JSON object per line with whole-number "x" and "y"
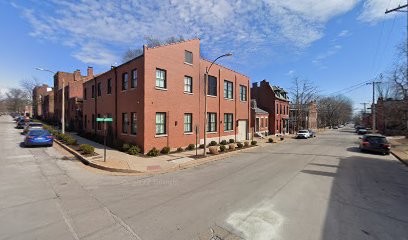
{"x": 291, "y": 72}
{"x": 243, "y": 26}
{"x": 318, "y": 60}
{"x": 344, "y": 33}
{"x": 374, "y": 10}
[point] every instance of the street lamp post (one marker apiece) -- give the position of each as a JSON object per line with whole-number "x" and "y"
{"x": 63, "y": 99}
{"x": 207, "y": 70}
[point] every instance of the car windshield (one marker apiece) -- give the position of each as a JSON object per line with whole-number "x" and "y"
{"x": 35, "y": 125}
{"x": 303, "y": 131}
{"x": 376, "y": 139}
{"x": 37, "y": 133}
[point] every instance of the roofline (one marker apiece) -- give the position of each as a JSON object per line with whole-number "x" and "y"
{"x": 224, "y": 67}
{"x": 174, "y": 43}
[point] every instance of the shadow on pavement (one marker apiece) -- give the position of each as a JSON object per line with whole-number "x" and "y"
{"x": 368, "y": 200}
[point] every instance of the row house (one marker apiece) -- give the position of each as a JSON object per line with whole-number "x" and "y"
{"x": 275, "y": 101}
{"x": 48, "y": 106}
{"x": 259, "y": 120}
{"x": 157, "y": 99}
{"x": 391, "y": 116}
{"x": 302, "y": 116}
{"x": 73, "y": 90}
{"x": 38, "y": 94}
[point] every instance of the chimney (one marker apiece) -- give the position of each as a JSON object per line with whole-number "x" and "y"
{"x": 90, "y": 72}
{"x": 77, "y": 75}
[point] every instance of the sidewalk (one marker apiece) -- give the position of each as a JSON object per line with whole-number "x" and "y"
{"x": 118, "y": 161}
{"x": 399, "y": 148}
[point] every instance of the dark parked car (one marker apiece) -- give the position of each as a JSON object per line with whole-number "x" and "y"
{"x": 38, "y": 137}
{"x": 22, "y": 123}
{"x": 375, "y": 143}
{"x": 362, "y": 131}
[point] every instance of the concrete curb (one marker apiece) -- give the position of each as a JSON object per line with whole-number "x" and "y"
{"x": 91, "y": 164}
{"x": 182, "y": 166}
{"x": 404, "y": 161}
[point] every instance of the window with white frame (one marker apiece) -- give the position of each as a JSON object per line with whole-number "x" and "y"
{"x": 228, "y": 89}
{"x": 133, "y": 123}
{"x": 161, "y": 78}
{"x": 212, "y": 86}
{"x": 211, "y": 122}
{"x": 242, "y": 93}
{"x": 188, "y": 84}
{"x": 188, "y": 122}
{"x": 133, "y": 83}
{"x": 160, "y": 123}
{"x": 228, "y": 121}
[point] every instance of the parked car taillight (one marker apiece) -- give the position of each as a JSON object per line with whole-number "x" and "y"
{"x": 386, "y": 146}
{"x": 365, "y": 143}
{"x": 49, "y": 137}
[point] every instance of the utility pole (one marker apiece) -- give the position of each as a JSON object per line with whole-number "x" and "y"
{"x": 373, "y": 105}
{"x": 365, "y": 108}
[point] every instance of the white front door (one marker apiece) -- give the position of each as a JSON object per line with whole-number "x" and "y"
{"x": 242, "y": 130}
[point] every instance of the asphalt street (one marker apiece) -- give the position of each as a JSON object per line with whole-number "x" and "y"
{"x": 321, "y": 188}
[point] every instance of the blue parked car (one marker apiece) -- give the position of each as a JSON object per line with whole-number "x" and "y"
{"x": 38, "y": 137}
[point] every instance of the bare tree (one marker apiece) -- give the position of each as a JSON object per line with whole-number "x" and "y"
{"x": 28, "y": 85}
{"x": 17, "y": 99}
{"x": 131, "y": 54}
{"x": 334, "y": 110}
{"x": 302, "y": 93}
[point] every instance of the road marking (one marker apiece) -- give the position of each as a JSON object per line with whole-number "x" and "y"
{"x": 258, "y": 223}
{"x": 19, "y": 156}
{"x": 124, "y": 225}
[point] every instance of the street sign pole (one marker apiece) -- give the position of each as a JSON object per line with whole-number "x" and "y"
{"x": 104, "y": 120}
{"x": 104, "y": 141}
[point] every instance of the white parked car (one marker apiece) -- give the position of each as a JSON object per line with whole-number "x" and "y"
{"x": 303, "y": 134}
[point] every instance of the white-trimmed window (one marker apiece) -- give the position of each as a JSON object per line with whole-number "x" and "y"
{"x": 161, "y": 78}
{"x": 133, "y": 83}
{"x": 160, "y": 123}
{"x": 188, "y": 122}
{"x": 228, "y": 89}
{"x": 188, "y": 57}
{"x": 242, "y": 93}
{"x": 188, "y": 84}
{"x": 228, "y": 121}
{"x": 212, "y": 122}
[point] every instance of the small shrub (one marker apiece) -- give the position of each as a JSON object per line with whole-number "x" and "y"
{"x": 153, "y": 152}
{"x": 253, "y": 143}
{"x": 231, "y": 146}
{"x": 86, "y": 148}
{"x": 213, "y": 149}
{"x": 231, "y": 140}
{"x": 134, "y": 150}
{"x": 223, "y": 148}
{"x": 126, "y": 147}
{"x": 213, "y": 143}
{"x": 190, "y": 147}
{"x": 246, "y": 144}
{"x": 71, "y": 141}
{"x": 223, "y": 142}
{"x": 240, "y": 145}
{"x": 165, "y": 150}
{"x": 201, "y": 146}
{"x": 180, "y": 149}
{"x": 270, "y": 140}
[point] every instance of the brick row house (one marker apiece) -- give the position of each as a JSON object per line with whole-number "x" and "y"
{"x": 259, "y": 120}
{"x": 275, "y": 101}
{"x": 302, "y": 116}
{"x": 39, "y": 93}
{"x": 157, "y": 99}
{"x": 73, "y": 87}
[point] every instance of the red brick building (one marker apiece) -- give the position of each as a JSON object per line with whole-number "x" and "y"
{"x": 391, "y": 116}
{"x": 275, "y": 101}
{"x": 259, "y": 120}
{"x": 48, "y": 107}
{"x": 157, "y": 99}
{"x": 38, "y": 98}
{"x": 73, "y": 85}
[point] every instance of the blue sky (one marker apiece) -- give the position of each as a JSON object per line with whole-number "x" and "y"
{"x": 334, "y": 43}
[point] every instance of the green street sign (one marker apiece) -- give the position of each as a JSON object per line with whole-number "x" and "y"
{"x": 104, "y": 119}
